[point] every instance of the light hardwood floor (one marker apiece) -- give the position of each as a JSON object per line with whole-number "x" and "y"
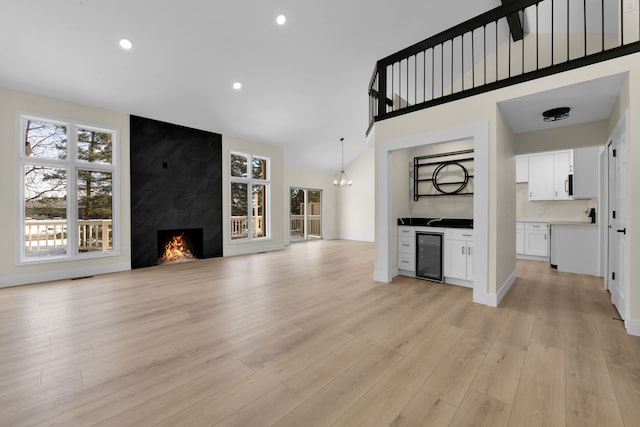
{"x": 304, "y": 337}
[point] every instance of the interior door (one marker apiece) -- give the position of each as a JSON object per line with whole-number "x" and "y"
{"x": 617, "y": 218}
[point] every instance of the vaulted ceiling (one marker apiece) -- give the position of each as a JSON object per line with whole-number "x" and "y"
{"x": 304, "y": 83}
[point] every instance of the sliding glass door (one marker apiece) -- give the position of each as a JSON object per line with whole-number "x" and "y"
{"x": 305, "y": 215}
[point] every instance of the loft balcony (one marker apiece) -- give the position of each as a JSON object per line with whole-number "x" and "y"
{"x": 519, "y": 41}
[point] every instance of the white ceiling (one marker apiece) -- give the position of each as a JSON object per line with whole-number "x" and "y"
{"x": 304, "y": 84}
{"x": 589, "y": 101}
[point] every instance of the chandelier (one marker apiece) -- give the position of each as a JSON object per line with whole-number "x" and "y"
{"x": 342, "y": 180}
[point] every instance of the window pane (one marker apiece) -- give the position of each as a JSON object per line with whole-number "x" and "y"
{"x": 94, "y": 146}
{"x": 43, "y": 139}
{"x": 95, "y": 215}
{"x": 238, "y": 165}
{"x": 259, "y": 168}
{"x": 239, "y": 224}
{"x": 45, "y": 207}
{"x": 259, "y": 205}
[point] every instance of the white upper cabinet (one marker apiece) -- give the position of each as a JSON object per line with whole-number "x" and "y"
{"x": 549, "y": 175}
{"x": 585, "y": 176}
{"x": 522, "y": 169}
{"x": 562, "y": 167}
{"x": 541, "y": 177}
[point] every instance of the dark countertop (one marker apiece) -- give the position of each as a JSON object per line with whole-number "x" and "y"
{"x": 437, "y": 222}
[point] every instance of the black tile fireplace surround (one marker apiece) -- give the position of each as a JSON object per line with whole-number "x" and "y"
{"x": 176, "y": 183}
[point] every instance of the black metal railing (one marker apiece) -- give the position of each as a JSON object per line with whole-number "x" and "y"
{"x": 516, "y": 42}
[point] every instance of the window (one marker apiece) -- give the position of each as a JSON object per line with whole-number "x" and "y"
{"x": 67, "y": 187}
{"x": 250, "y": 192}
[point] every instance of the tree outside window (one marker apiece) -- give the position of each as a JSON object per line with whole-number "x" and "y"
{"x": 249, "y": 196}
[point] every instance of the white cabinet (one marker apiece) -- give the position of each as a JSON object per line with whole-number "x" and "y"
{"x": 541, "y": 177}
{"x": 549, "y": 175}
{"x": 407, "y": 249}
{"x": 522, "y": 169}
{"x": 536, "y": 239}
{"x": 562, "y": 167}
{"x": 519, "y": 238}
{"x": 585, "y": 176}
{"x": 575, "y": 248}
{"x": 458, "y": 256}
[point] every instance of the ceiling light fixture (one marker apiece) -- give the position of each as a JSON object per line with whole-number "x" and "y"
{"x": 126, "y": 44}
{"x": 237, "y": 85}
{"x": 281, "y": 19}
{"x": 555, "y": 114}
{"x": 342, "y": 180}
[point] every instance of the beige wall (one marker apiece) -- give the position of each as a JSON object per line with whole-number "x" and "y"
{"x": 483, "y": 108}
{"x": 303, "y": 178}
{"x": 11, "y": 104}
{"x": 563, "y": 138}
{"x": 278, "y": 200}
{"x": 356, "y": 204}
{"x": 505, "y": 199}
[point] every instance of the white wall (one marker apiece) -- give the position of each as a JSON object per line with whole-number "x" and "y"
{"x": 356, "y": 204}
{"x": 563, "y": 138}
{"x": 11, "y": 104}
{"x": 278, "y": 231}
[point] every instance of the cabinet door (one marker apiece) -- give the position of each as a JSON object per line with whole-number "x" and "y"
{"x": 520, "y": 240}
{"x": 455, "y": 259}
{"x": 536, "y": 242}
{"x": 469, "y": 260}
{"x": 541, "y": 177}
{"x": 561, "y": 171}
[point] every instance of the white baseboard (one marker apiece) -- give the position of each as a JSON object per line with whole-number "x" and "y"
{"x": 493, "y": 299}
{"x": 247, "y": 250}
{"x": 533, "y": 257}
{"x": 356, "y": 238}
{"x": 28, "y": 279}
{"x": 633, "y": 327}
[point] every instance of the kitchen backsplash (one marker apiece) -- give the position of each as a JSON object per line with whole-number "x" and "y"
{"x": 556, "y": 210}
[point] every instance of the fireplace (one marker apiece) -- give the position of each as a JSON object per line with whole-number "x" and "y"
{"x": 179, "y": 245}
{"x": 176, "y": 185}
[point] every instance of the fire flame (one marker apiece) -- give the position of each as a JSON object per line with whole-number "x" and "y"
{"x": 176, "y": 250}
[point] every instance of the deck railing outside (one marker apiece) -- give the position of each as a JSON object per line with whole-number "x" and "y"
{"x": 516, "y": 42}
{"x": 50, "y": 236}
{"x": 240, "y": 226}
{"x": 297, "y": 226}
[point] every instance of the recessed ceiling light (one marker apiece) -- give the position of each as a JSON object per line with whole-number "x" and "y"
{"x": 281, "y": 19}
{"x": 126, "y": 44}
{"x": 237, "y": 85}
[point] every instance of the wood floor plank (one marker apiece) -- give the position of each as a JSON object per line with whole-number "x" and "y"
{"x": 452, "y": 378}
{"x": 517, "y": 329}
{"x": 425, "y": 410}
{"x": 478, "y": 409}
{"x": 540, "y": 399}
{"x": 265, "y": 410}
{"x": 626, "y": 384}
{"x": 500, "y": 372}
{"x": 585, "y": 409}
{"x": 303, "y": 336}
{"x": 385, "y": 400}
{"x": 332, "y": 401}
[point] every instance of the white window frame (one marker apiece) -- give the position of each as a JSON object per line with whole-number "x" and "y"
{"x": 250, "y": 182}
{"x": 72, "y": 165}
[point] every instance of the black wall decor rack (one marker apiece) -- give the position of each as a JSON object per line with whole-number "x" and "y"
{"x": 449, "y": 176}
